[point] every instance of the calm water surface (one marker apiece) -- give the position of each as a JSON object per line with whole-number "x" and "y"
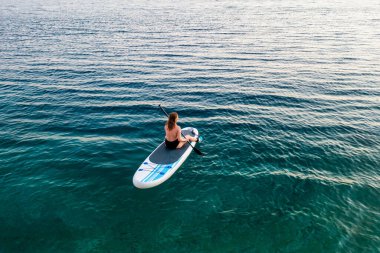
{"x": 285, "y": 93}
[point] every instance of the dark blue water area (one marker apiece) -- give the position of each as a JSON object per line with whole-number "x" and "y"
{"x": 285, "y": 93}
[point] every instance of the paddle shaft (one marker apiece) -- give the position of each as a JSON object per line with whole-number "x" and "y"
{"x": 194, "y": 148}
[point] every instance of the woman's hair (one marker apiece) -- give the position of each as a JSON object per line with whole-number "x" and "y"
{"x": 172, "y": 120}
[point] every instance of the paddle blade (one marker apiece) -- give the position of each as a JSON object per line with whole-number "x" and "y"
{"x": 198, "y": 151}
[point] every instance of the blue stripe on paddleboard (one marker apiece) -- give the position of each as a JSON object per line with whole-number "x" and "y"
{"x": 158, "y": 173}
{"x": 166, "y": 169}
{"x": 151, "y": 173}
{"x": 163, "y": 172}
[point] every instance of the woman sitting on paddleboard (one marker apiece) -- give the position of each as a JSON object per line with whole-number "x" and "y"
{"x": 173, "y": 137}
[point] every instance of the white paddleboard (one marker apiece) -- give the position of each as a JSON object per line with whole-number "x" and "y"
{"x": 161, "y": 164}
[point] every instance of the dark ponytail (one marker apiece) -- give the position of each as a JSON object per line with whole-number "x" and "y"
{"x": 172, "y": 120}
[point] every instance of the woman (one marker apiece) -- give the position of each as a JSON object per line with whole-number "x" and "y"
{"x": 173, "y": 137}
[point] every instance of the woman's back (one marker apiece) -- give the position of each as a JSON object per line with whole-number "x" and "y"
{"x": 171, "y": 135}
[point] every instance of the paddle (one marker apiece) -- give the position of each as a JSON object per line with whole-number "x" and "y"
{"x": 194, "y": 148}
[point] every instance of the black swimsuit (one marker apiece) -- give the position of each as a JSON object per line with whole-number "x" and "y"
{"x": 171, "y": 144}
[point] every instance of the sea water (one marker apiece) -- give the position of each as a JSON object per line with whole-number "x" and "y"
{"x": 285, "y": 93}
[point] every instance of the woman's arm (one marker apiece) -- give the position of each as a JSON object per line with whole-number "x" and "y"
{"x": 179, "y": 135}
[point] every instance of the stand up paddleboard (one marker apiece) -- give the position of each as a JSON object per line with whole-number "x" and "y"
{"x": 161, "y": 164}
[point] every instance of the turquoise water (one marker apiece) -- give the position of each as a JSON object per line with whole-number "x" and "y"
{"x": 285, "y": 93}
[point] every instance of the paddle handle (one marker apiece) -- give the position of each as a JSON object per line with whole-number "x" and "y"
{"x": 162, "y": 109}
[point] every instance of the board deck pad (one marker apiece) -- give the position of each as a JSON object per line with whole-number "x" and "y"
{"x": 163, "y": 155}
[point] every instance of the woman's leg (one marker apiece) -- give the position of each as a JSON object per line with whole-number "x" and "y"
{"x": 189, "y": 138}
